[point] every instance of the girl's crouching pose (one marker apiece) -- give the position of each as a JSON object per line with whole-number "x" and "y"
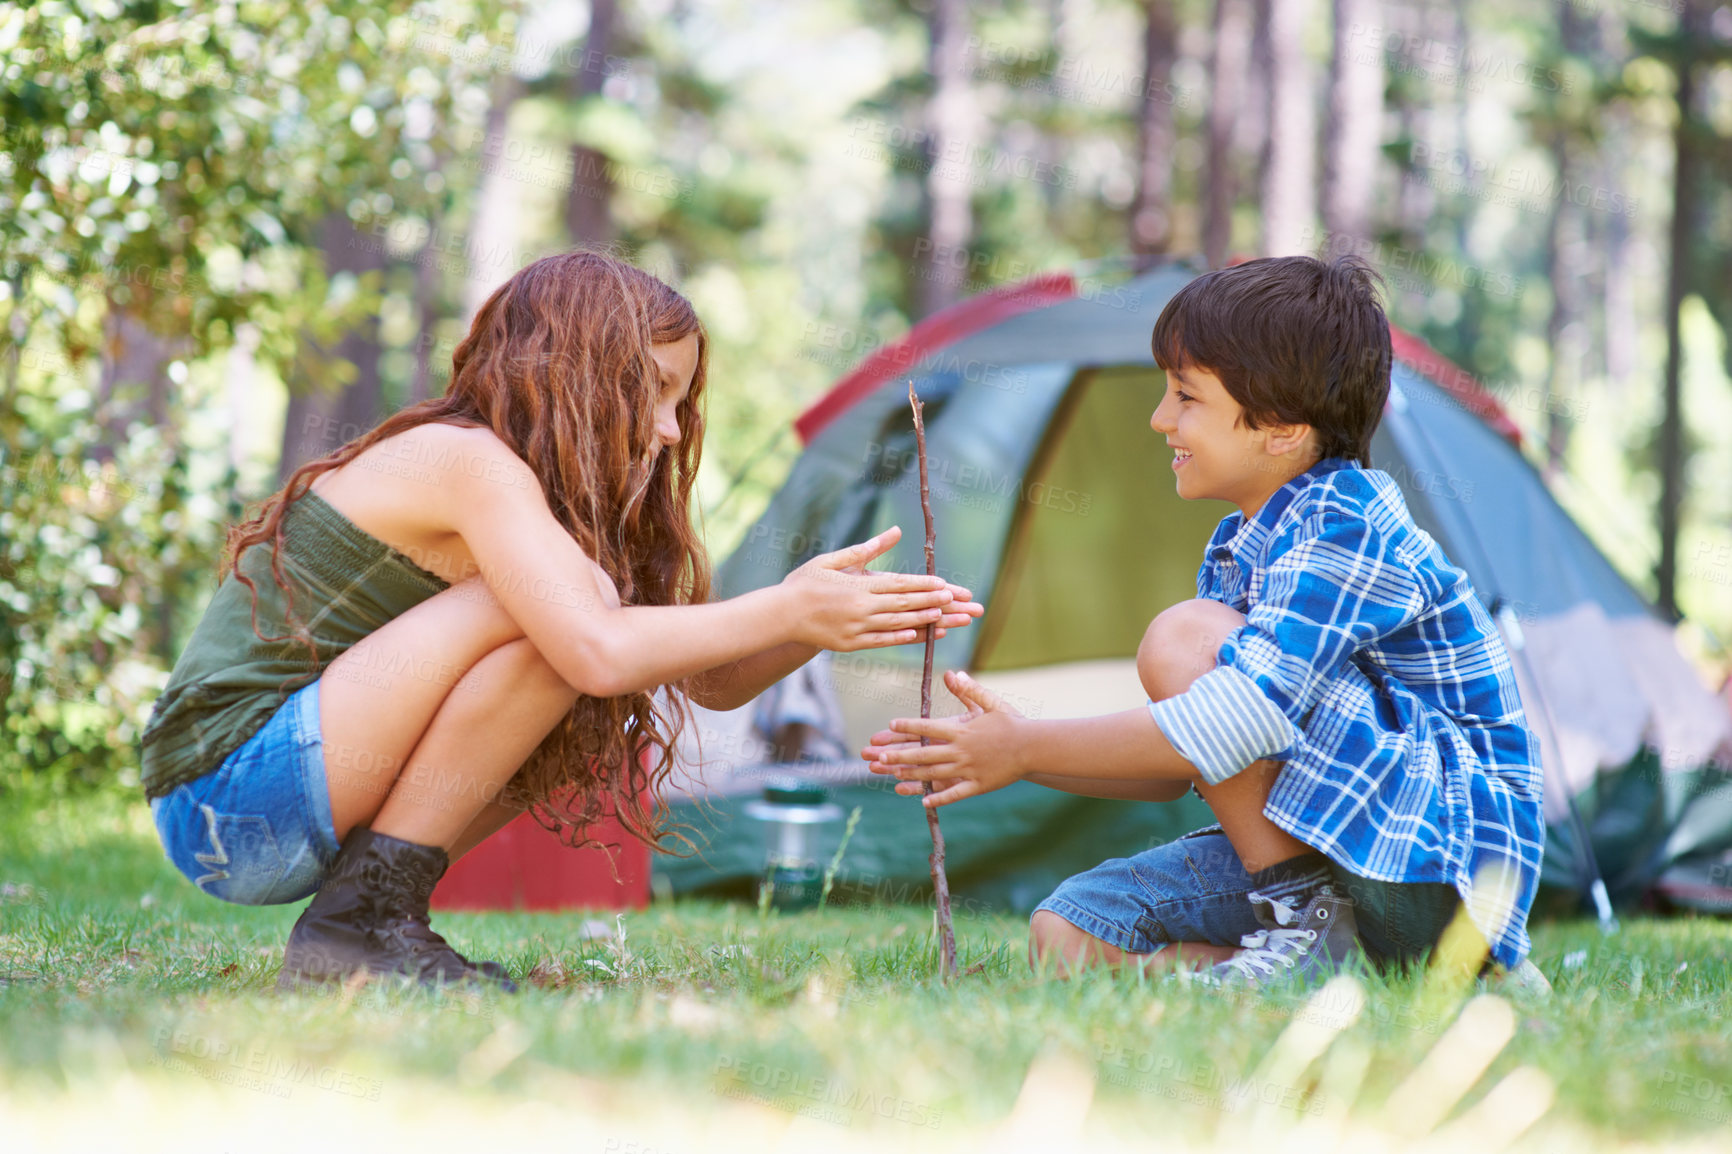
{"x": 464, "y": 613}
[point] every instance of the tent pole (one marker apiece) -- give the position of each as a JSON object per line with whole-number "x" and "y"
{"x": 1516, "y": 642}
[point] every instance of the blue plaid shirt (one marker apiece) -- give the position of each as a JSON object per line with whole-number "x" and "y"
{"x": 1369, "y": 667}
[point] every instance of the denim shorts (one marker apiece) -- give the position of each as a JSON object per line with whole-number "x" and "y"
{"x": 257, "y": 829}
{"x": 1194, "y": 890}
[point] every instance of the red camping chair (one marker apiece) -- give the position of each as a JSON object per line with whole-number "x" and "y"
{"x": 524, "y": 867}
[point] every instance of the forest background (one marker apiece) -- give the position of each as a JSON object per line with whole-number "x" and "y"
{"x": 233, "y": 236}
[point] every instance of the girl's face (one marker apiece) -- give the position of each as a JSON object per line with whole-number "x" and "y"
{"x": 678, "y": 363}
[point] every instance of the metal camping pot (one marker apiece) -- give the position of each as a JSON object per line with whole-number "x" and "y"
{"x": 792, "y": 811}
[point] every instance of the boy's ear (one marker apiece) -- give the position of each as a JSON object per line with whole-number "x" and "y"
{"x": 1285, "y": 440}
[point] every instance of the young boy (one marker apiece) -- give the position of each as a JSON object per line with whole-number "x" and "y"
{"x": 1335, "y": 693}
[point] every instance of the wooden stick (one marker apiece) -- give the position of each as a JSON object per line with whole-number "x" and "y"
{"x": 940, "y": 882}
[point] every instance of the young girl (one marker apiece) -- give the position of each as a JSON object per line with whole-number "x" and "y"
{"x": 465, "y": 612}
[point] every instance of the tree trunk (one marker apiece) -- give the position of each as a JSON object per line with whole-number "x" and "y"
{"x": 493, "y": 228}
{"x": 1416, "y": 200}
{"x": 1567, "y": 271}
{"x": 1621, "y": 324}
{"x": 241, "y": 368}
{"x": 427, "y": 314}
{"x": 1289, "y": 174}
{"x": 429, "y": 281}
{"x": 1355, "y": 121}
{"x": 1693, "y": 31}
{"x": 589, "y": 201}
{"x": 1151, "y": 215}
{"x": 319, "y": 421}
{"x": 133, "y": 388}
{"x": 1228, "y": 59}
{"x": 133, "y": 384}
{"x": 1252, "y": 137}
{"x": 950, "y": 215}
{"x": 1068, "y": 21}
{"x": 1563, "y": 268}
{"x": 1467, "y": 326}
{"x": 18, "y": 330}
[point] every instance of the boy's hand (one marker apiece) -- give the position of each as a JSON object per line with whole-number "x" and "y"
{"x": 844, "y": 606}
{"x": 971, "y": 755}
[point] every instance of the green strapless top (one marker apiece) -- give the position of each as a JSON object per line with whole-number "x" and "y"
{"x": 228, "y": 682}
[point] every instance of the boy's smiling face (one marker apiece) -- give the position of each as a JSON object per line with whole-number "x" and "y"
{"x": 1214, "y": 454}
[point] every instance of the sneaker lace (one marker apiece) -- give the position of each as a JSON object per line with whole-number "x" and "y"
{"x": 1265, "y": 949}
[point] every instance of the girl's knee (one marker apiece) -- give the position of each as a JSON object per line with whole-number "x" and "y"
{"x": 520, "y": 666}
{"x": 489, "y": 616}
{"x": 463, "y": 616}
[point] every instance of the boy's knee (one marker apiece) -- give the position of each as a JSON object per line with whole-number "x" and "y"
{"x": 1045, "y": 925}
{"x": 1049, "y": 934}
{"x": 1180, "y": 644}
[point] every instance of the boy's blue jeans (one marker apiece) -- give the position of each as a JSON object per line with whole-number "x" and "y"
{"x": 1194, "y": 890}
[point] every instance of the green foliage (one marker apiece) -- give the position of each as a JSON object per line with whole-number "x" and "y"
{"x": 175, "y": 160}
{"x": 170, "y": 164}
{"x": 99, "y": 561}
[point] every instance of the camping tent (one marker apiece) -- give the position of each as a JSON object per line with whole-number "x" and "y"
{"x": 1055, "y": 506}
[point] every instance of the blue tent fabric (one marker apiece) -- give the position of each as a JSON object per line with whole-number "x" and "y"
{"x": 1490, "y": 505}
{"x": 855, "y": 478}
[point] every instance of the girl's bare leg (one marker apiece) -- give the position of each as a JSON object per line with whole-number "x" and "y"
{"x": 429, "y": 717}
{"x": 424, "y": 722}
{"x": 494, "y": 816}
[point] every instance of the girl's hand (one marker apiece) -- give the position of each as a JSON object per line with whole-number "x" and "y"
{"x": 971, "y": 755}
{"x": 841, "y": 605}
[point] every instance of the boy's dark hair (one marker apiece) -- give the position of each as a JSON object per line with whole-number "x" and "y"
{"x": 1295, "y": 340}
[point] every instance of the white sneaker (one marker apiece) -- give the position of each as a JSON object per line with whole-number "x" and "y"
{"x": 1306, "y": 943}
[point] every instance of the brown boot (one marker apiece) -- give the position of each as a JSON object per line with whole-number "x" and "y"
{"x": 370, "y": 915}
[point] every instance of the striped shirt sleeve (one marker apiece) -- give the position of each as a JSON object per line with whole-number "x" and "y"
{"x": 1222, "y": 723}
{"x": 1335, "y": 589}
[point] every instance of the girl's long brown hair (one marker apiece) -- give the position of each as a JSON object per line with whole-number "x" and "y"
{"x": 557, "y": 363}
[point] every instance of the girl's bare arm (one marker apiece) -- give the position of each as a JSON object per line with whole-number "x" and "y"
{"x": 731, "y": 685}
{"x": 548, "y": 585}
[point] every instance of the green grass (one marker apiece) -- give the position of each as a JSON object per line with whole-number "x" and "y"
{"x": 712, "y": 1021}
